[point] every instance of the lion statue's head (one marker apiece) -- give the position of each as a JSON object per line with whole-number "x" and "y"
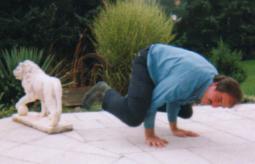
{"x": 24, "y": 68}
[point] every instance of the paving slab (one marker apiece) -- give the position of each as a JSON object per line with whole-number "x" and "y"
{"x": 226, "y": 136}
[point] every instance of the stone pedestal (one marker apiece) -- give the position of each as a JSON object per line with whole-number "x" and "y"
{"x": 42, "y": 123}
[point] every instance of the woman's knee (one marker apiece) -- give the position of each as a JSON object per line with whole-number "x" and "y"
{"x": 135, "y": 122}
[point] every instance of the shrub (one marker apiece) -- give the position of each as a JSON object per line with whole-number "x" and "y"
{"x": 121, "y": 29}
{"x": 228, "y": 62}
{"x": 5, "y": 110}
{"x": 51, "y": 25}
{"x": 211, "y": 20}
{"x": 11, "y": 87}
{"x": 174, "y": 7}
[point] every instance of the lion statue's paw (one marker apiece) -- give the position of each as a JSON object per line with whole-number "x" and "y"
{"x": 22, "y": 111}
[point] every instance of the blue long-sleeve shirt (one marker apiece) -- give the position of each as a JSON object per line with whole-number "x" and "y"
{"x": 180, "y": 76}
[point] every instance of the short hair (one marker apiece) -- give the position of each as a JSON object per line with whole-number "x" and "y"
{"x": 228, "y": 85}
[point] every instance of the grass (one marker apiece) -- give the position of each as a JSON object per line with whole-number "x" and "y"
{"x": 248, "y": 86}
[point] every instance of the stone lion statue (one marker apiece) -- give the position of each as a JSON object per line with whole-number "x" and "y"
{"x": 39, "y": 86}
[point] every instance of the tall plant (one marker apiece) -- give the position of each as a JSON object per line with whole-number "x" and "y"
{"x": 122, "y": 28}
{"x": 9, "y": 60}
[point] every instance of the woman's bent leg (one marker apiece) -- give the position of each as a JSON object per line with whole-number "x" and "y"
{"x": 132, "y": 109}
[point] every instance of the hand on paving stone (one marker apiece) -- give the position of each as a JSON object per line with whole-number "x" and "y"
{"x": 184, "y": 133}
{"x": 153, "y": 140}
{"x": 181, "y": 132}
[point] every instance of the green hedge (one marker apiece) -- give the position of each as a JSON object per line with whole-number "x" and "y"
{"x": 205, "y": 22}
{"x": 51, "y": 25}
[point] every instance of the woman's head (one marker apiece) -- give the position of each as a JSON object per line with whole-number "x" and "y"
{"x": 225, "y": 92}
{"x": 228, "y": 85}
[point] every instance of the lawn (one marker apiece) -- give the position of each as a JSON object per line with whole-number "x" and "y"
{"x": 248, "y": 86}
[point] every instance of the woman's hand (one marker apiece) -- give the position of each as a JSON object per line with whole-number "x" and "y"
{"x": 153, "y": 140}
{"x": 184, "y": 133}
{"x": 181, "y": 132}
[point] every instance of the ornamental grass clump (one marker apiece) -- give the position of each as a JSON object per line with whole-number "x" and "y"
{"x": 121, "y": 29}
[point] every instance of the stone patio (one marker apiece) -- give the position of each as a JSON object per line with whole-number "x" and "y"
{"x": 227, "y": 137}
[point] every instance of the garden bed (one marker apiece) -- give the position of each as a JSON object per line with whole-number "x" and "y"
{"x": 72, "y": 97}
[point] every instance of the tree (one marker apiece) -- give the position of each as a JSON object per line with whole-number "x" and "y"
{"x": 54, "y": 25}
{"x": 206, "y": 21}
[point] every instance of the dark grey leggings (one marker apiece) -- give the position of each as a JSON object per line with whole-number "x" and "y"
{"x": 132, "y": 109}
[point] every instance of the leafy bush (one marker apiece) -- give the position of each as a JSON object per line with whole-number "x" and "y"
{"x": 51, "y": 25}
{"x": 175, "y": 7}
{"x": 1, "y": 105}
{"x": 228, "y": 62}
{"x": 11, "y": 87}
{"x": 121, "y": 29}
{"x": 232, "y": 21}
{"x": 5, "y": 110}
